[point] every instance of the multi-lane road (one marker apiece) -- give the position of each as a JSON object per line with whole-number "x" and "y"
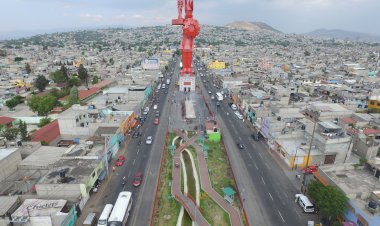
{"x": 267, "y": 192}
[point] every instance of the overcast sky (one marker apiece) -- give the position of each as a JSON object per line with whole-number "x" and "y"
{"x": 291, "y": 16}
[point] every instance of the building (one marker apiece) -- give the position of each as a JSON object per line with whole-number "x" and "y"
{"x": 9, "y": 160}
{"x": 360, "y": 186}
{"x": 8, "y": 204}
{"x": 213, "y": 131}
{"x": 374, "y": 102}
{"x": 48, "y": 134}
{"x": 216, "y": 65}
{"x": 326, "y": 111}
{"x": 6, "y": 121}
{"x": 151, "y": 64}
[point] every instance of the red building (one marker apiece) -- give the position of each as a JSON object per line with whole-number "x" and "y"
{"x": 6, "y": 121}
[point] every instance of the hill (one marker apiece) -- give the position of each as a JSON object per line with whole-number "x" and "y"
{"x": 251, "y": 26}
{"x": 345, "y": 35}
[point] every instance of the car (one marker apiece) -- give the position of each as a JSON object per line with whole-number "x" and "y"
{"x": 149, "y": 140}
{"x": 217, "y": 103}
{"x": 255, "y": 136}
{"x": 212, "y": 97}
{"x": 155, "y": 107}
{"x": 136, "y": 134}
{"x": 120, "y": 161}
{"x": 137, "y": 179}
{"x": 156, "y": 121}
{"x": 310, "y": 169}
{"x": 240, "y": 145}
{"x": 209, "y": 92}
{"x": 157, "y": 114}
{"x": 234, "y": 107}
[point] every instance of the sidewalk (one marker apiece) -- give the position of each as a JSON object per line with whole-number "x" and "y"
{"x": 95, "y": 203}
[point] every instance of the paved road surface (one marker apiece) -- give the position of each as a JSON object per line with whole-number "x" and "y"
{"x": 267, "y": 191}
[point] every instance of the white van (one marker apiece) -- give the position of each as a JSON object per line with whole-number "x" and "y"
{"x": 103, "y": 219}
{"x": 305, "y": 203}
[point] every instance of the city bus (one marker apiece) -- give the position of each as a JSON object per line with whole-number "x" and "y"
{"x": 120, "y": 212}
{"x": 219, "y": 96}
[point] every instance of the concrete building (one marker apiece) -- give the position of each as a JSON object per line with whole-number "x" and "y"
{"x": 8, "y": 204}
{"x": 360, "y": 186}
{"x": 9, "y": 160}
{"x": 326, "y": 111}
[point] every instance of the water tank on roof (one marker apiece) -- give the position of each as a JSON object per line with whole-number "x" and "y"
{"x": 77, "y": 140}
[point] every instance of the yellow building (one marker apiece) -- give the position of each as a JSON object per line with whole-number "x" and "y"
{"x": 374, "y": 102}
{"x": 77, "y": 63}
{"x": 217, "y": 65}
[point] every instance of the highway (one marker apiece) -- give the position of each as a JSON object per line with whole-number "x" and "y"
{"x": 142, "y": 158}
{"x": 267, "y": 192}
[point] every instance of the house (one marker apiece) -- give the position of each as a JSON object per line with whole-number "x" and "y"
{"x": 213, "y": 131}
{"x": 48, "y": 134}
{"x": 6, "y": 121}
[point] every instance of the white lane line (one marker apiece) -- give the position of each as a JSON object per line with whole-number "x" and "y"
{"x": 256, "y": 166}
{"x": 129, "y": 174}
{"x": 270, "y": 196}
{"x": 138, "y": 150}
{"x": 281, "y": 216}
{"x": 263, "y": 180}
{"x": 250, "y": 156}
{"x": 260, "y": 155}
{"x": 134, "y": 160}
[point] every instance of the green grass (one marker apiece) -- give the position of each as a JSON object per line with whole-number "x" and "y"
{"x": 190, "y": 134}
{"x": 212, "y": 212}
{"x": 190, "y": 176}
{"x": 165, "y": 204}
{"x": 221, "y": 173}
{"x": 186, "y": 221}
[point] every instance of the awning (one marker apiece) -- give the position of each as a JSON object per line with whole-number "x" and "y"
{"x": 320, "y": 178}
{"x": 102, "y": 175}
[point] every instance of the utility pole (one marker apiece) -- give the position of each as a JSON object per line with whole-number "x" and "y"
{"x": 303, "y": 188}
{"x": 105, "y": 150}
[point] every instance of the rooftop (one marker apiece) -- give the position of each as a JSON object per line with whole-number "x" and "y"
{"x": 44, "y": 157}
{"x": 6, "y": 152}
{"x": 5, "y": 120}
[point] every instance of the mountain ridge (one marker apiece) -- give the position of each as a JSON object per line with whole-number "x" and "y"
{"x": 344, "y": 35}
{"x": 251, "y": 26}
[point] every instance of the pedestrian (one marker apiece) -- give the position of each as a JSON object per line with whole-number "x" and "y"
{"x": 113, "y": 169}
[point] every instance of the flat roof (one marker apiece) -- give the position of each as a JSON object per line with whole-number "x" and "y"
{"x": 44, "y": 156}
{"x": 329, "y": 125}
{"x": 6, "y": 202}
{"x": 294, "y": 146}
{"x": 6, "y": 152}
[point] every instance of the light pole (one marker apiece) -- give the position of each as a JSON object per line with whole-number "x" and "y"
{"x": 303, "y": 188}
{"x": 105, "y": 150}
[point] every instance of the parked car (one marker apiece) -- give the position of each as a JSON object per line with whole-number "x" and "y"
{"x": 155, "y": 107}
{"x": 310, "y": 169}
{"x": 120, "y": 161}
{"x": 157, "y": 114}
{"x": 149, "y": 140}
{"x": 234, "y": 107}
{"x": 137, "y": 179}
{"x": 240, "y": 145}
{"x": 156, "y": 121}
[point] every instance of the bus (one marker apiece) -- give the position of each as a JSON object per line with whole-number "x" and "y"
{"x": 219, "y": 96}
{"x": 103, "y": 219}
{"x": 120, "y": 212}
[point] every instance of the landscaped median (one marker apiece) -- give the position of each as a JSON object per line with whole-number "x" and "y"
{"x": 167, "y": 209}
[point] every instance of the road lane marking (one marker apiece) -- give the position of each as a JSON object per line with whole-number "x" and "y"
{"x": 134, "y": 160}
{"x": 263, "y": 180}
{"x": 260, "y": 155}
{"x": 129, "y": 174}
{"x": 250, "y": 156}
{"x": 270, "y": 196}
{"x": 138, "y": 150}
{"x": 257, "y": 168}
{"x": 281, "y": 216}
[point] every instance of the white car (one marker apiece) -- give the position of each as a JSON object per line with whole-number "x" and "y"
{"x": 149, "y": 140}
{"x": 212, "y": 97}
{"x": 234, "y": 107}
{"x": 240, "y": 116}
{"x": 155, "y": 107}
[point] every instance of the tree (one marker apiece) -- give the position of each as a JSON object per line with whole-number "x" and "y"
{"x": 65, "y": 73}
{"x": 57, "y": 77}
{"x": 11, "y": 104}
{"x": 23, "y": 129}
{"x": 27, "y": 68}
{"x": 82, "y": 74}
{"x": 42, "y": 105}
{"x": 306, "y": 53}
{"x": 44, "y": 121}
{"x": 330, "y": 201}
{"x": 18, "y": 59}
{"x": 73, "y": 81}
{"x": 95, "y": 79}
{"x": 74, "y": 96}
{"x": 10, "y": 133}
{"x": 41, "y": 83}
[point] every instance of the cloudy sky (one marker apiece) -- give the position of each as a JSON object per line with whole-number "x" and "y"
{"x": 292, "y": 16}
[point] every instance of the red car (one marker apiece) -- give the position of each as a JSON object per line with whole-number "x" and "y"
{"x": 156, "y": 121}
{"x": 120, "y": 161}
{"x": 137, "y": 179}
{"x": 310, "y": 169}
